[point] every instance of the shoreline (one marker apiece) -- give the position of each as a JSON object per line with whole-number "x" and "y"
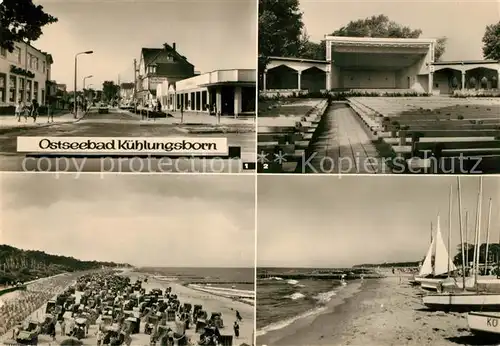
{"x": 387, "y": 311}
{"x": 297, "y": 332}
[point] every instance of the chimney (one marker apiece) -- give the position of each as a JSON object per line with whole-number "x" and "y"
{"x": 173, "y": 46}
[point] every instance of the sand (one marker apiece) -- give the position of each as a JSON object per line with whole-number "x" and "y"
{"x": 210, "y": 303}
{"x": 382, "y": 312}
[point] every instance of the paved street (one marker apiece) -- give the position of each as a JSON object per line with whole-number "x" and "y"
{"x": 120, "y": 123}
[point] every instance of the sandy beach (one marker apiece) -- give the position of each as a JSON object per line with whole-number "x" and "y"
{"x": 211, "y": 303}
{"x": 378, "y": 312}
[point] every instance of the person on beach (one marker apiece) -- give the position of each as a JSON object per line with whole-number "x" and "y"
{"x": 238, "y": 316}
{"x": 52, "y": 331}
{"x": 236, "y": 328}
{"x": 63, "y": 328}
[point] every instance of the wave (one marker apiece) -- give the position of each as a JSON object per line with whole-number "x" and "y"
{"x": 322, "y": 298}
{"x": 296, "y": 295}
{"x": 292, "y": 282}
{"x": 285, "y": 323}
{"x": 277, "y": 278}
{"x": 325, "y": 297}
{"x": 224, "y": 291}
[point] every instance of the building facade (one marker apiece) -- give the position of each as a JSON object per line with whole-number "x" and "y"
{"x": 160, "y": 65}
{"x": 126, "y": 93}
{"x": 23, "y": 74}
{"x": 224, "y": 92}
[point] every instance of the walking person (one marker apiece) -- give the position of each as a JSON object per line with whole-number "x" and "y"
{"x": 238, "y": 316}
{"x": 63, "y": 327}
{"x": 99, "y": 337}
{"x": 27, "y": 111}
{"x": 34, "y": 109}
{"x": 236, "y": 328}
{"x": 19, "y": 110}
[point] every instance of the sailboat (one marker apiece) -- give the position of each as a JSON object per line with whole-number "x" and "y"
{"x": 442, "y": 263}
{"x": 484, "y": 323}
{"x": 465, "y": 301}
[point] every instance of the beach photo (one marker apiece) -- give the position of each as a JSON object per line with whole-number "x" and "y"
{"x": 127, "y": 260}
{"x": 368, "y": 260}
{"x": 378, "y": 87}
{"x": 168, "y": 71}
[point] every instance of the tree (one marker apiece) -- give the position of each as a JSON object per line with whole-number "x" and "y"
{"x": 375, "y": 26}
{"x": 280, "y": 29}
{"x": 21, "y": 20}
{"x": 491, "y": 41}
{"x": 110, "y": 90}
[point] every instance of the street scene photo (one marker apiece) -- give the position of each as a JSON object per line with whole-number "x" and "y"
{"x": 378, "y": 260}
{"x": 389, "y": 87}
{"x": 184, "y": 73}
{"x": 127, "y": 260}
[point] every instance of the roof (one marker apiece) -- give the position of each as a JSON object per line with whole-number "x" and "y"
{"x": 297, "y": 59}
{"x": 466, "y": 62}
{"x": 159, "y": 55}
{"x": 127, "y": 85}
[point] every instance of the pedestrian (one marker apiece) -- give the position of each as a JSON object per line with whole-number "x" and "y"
{"x": 63, "y": 327}
{"x": 238, "y": 316}
{"x": 52, "y": 331}
{"x": 99, "y": 337}
{"x": 27, "y": 111}
{"x": 236, "y": 328}
{"x": 19, "y": 110}
{"x": 50, "y": 116}
{"x": 34, "y": 110}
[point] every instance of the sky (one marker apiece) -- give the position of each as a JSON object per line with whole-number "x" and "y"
{"x": 143, "y": 220}
{"x": 212, "y": 34}
{"x": 326, "y": 221}
{"x": 462, "y": 22}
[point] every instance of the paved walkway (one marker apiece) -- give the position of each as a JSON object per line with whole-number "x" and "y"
{"x": 343, "y": 146}
{"x": 193, "y": 118}
{"x": 10, "y": 121}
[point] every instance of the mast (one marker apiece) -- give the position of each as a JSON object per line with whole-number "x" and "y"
{"x": 474, "y": 259}
{"x": 478, "y": 229}
{"x": 487, "y": 237}
{"x": 449, "y": 228}
{"x": 431, "y": 232}
{"x": 466, "y": 232}
{"x": 461, "y": 230}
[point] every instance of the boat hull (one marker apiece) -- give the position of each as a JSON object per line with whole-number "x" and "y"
{"x": 484, "y": 323}
{"x": 462, "y": 302}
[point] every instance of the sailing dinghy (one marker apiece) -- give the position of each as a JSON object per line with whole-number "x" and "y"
{"x": 442, "y": 264}
{"x": 484, "y": 323}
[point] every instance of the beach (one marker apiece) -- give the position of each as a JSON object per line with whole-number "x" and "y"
{"x": 384, "y": 311}
{"x": 210, "y": 303}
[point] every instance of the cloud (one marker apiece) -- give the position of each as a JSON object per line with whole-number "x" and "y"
{"x": 330, "y": 222}
{"x": 161, "y": 220}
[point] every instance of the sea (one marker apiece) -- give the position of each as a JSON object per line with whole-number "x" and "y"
{"x": 282, "y": 301}
{"x": 237, "y": 278}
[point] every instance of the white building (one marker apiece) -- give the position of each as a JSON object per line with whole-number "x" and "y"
{"x": 24, "y": 63}
{"x": 228, "y": 92}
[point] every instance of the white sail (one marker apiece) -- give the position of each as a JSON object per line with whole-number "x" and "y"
{"x": 427, "y": 265}
{"x": 442, "y": 259}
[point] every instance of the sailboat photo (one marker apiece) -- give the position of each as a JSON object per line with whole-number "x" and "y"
{"x": 466, "y": 300}
{"x": 431, "y": 275}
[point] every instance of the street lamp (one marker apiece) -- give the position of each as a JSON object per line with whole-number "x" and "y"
{"x": 76, "y": 76}
{"x": 84, "y": 78}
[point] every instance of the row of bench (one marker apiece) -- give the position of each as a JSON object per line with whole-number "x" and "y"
{"x": 285, "y": 146}
{"x": 446, "y": 138}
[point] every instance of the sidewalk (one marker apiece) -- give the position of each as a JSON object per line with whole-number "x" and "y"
{"x": 10, "y": 121}
{"x": 197, "y": 118}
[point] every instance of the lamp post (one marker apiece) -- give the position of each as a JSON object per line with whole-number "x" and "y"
{"x": 76, "y": 76}
{"x": 84, "y": 78}
{"x": 89, "y": 94}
